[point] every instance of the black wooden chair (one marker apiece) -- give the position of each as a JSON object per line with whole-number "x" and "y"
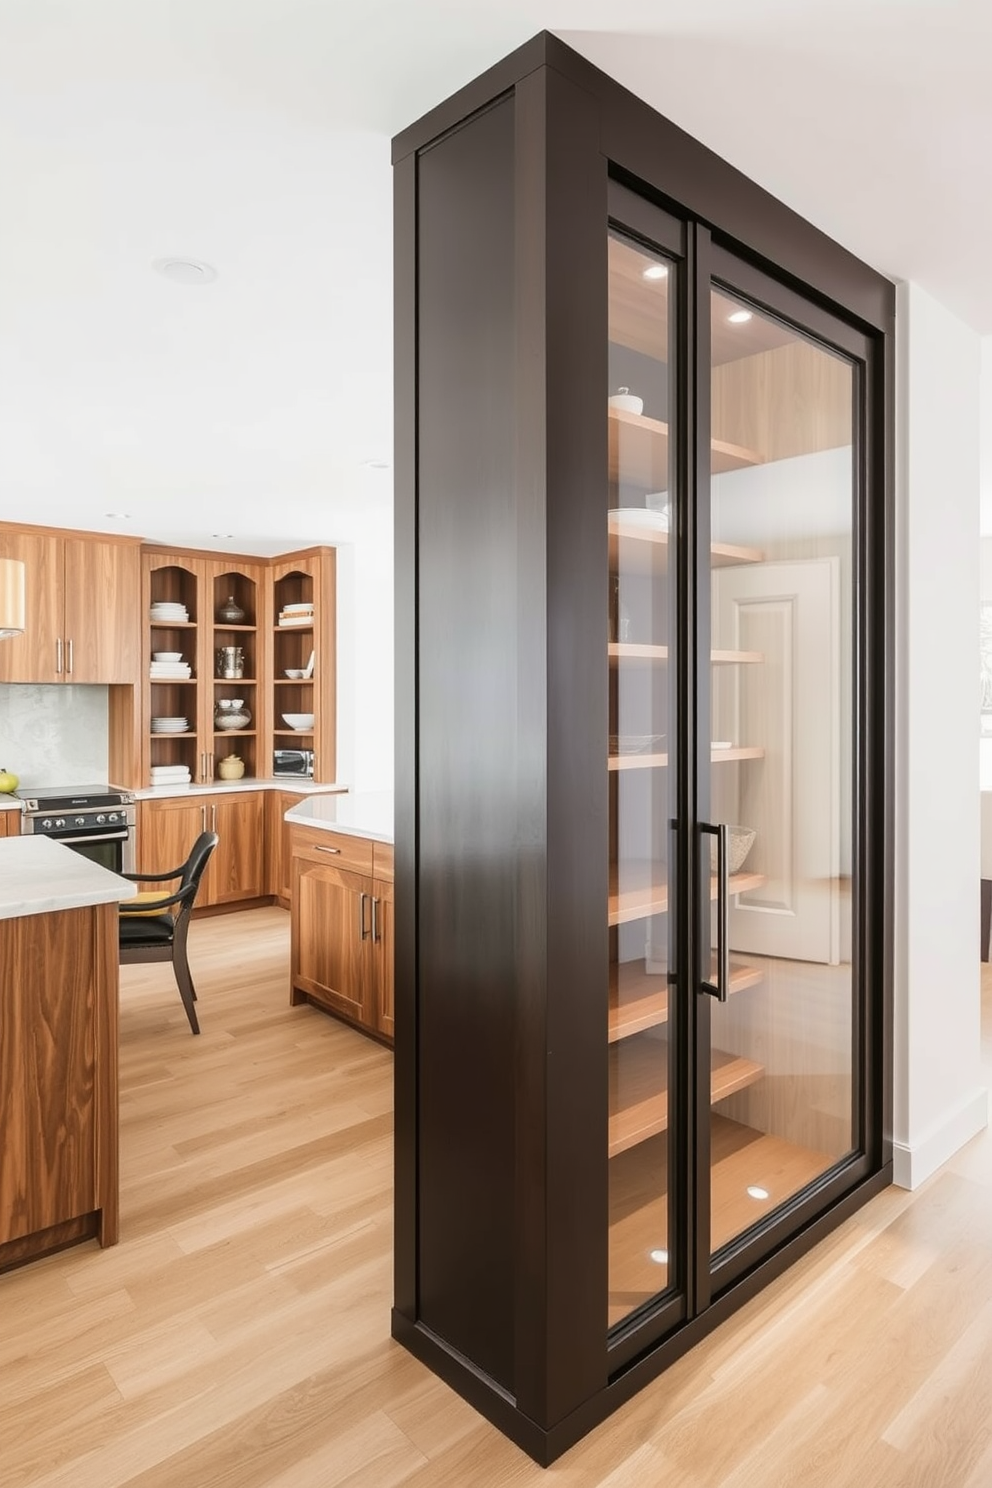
{"x": 154, "y": 927}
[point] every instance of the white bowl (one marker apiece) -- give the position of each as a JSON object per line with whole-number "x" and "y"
{"x": 741, "y": 840}
{"x": 296, "y": 673}
{"x": 302, "y": 722}
{"x": 167, "y": 656}
{"x": 627, "y": 401}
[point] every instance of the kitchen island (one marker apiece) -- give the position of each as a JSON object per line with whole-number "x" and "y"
{"x": 58, "y": 1049}
{"x": 341, "y": 902}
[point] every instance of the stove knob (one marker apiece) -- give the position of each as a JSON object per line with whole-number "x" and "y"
{"x": 113, "y": 817}
{"x": 101, "y": 819}
{"x": 60, "y": 821}
{"x": 80, "y": 821}
{"x": 46, "y": 825}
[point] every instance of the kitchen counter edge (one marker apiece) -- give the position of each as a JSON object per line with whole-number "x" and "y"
{"x": 367, "y": 814}
{"x": 39, "y": 876}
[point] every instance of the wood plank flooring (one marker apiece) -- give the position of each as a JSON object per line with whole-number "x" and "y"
{"x": 238, "y": 1336}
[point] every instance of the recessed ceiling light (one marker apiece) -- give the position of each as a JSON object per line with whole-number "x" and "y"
{"x": 739, "y": 317}
{"x": 656, "y": 271}
{"x": 118, "y": 516}
{"x": 185, "y": 270}
{"x": 377, "y": 464}
{"x": 756, "y": 1192}
{"x": 660, "y": 1257}
{"x": 222, "y": 534}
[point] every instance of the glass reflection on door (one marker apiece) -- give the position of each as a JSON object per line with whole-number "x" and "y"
{"x": 782, "y": 484}
{"x": 641, "y": 638}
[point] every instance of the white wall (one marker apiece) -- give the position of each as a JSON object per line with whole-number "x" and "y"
{"x": 365, "y": 655}
{"x": 939, "y": 1098}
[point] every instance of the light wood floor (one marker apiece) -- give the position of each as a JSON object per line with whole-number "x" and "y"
{"x": 239, "y": 1334}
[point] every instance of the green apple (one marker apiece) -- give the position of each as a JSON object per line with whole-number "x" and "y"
{"x": 8, "y": 782}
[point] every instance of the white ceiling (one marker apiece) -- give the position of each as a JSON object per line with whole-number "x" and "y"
{"x": 254, "y": 134}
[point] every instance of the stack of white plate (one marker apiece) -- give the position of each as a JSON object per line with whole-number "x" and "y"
{"x": 297, "y": 614}
{"x": 170, "y": 725}
{"x": 167, "y": 609}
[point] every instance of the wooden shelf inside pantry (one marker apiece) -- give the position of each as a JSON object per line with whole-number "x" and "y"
{"x": 640, "y": 899}
{"x": 740, "y": 1157}
{"x": 639, "y": 1087}
{"x": 639, "y": 651}
{"x": 639, "y": 998}
{"x": 645, "y": 549}
{"x": 657, "y": 761}
{"x": 639, "y": 451}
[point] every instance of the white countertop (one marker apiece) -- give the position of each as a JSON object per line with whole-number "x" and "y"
{"x": 9, "y": 803}
{"x": 39, "y": 876}
{"x": 297, "y": 783}
{"x": 369, "y": 814}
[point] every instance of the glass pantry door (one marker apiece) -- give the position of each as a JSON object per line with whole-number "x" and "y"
{"x": 783, "y": 460}
{"x": 642, "y": 642}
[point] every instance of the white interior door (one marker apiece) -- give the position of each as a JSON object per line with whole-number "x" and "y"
{"x": 789, "y": 704}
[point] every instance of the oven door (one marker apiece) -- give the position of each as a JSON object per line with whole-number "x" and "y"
{"x": 111, "y": 850}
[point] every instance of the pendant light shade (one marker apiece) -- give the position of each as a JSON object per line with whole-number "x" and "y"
{"x": 11, "y": 597}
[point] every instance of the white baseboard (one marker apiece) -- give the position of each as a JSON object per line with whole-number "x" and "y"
{"x": 913, "y": 1162}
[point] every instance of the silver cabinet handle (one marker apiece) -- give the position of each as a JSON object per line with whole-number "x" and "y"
{"x": 58, "y": 656}
{"x": 334, "y": 851}
{"x": 721, "y": 986}
{"x": 203, "y": 818}
{"x": 213, "y": 817}
{"x": 361, "y": 915}
{"x": 68, "y": 647}
{"x": 375, "y": 925}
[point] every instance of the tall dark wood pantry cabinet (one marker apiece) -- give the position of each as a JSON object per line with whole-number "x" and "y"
{"x": 642, "y": 938}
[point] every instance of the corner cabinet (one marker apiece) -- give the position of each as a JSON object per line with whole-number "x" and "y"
{"x": 304, "y": 628}
{"x": 82, "y": 600}
{"x": 642, "y": 946}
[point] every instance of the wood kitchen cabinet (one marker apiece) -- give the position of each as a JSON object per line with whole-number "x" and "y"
{"x": 277, "y": 842}
{"x": 82, "y": 597}
{"x": 168, "y": 828}
{"x": 200, "y": 585}
{"x": 304, "y": 609}
{"x": 10, "y": 823}
{"x": 342, "y": 927}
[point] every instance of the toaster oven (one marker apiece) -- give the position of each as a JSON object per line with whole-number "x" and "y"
{"x": 293, "y": 762}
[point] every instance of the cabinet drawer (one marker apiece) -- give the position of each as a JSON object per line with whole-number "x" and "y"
{"x": 383, "y": 861}
{"x": 337, "y": 848}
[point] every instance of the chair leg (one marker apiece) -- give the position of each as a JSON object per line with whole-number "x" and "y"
{"x": 186, "y": 990}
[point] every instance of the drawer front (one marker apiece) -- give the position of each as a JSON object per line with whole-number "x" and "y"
{"x": 383, "y": 861}
{"x": 333, "y": 848}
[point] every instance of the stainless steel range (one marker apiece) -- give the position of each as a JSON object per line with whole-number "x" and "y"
{"x": 95, "y": 820}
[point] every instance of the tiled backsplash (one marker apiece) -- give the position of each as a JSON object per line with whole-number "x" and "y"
{"x": 54, "y": 735}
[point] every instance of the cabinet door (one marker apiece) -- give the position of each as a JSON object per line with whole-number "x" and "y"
{"x": 332, "y": 948}
{"x": 278, "y": 846}
{"x": 34, "y": 656}
{"x": 382, "y": 952}
{"x": 783, "y": 1011}
{"x": 166, "y": 832}
{"x": 237, "y": 869}
{"x": 102, "y": 622}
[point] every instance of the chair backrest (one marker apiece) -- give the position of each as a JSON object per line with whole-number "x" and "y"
{"x": 196, "y": 862}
